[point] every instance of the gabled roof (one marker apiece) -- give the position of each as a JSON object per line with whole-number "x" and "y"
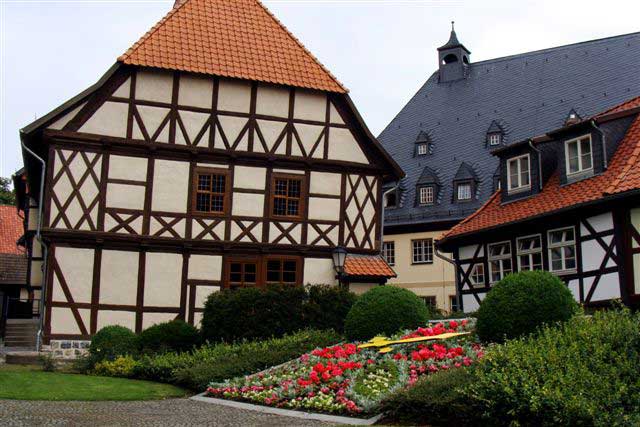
{"x": 529, "y": 93}
{"x": 465, "y": 171}
{"x": 429, "y": 176}
{"x": 230, "y": 38}
{"x": 423, "y": 137}
{"x": 495, "y": 127}
{"x": 622, "y": 175}
{"x": 11, "y": 229}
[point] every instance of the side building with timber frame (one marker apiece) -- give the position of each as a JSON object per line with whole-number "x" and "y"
{"x": 570, "y": 204}
{"x": 216, "y": 153}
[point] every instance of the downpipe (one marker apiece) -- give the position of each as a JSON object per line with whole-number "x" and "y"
{"x": 455, "y": 269}
{"x": 42, "y": 243}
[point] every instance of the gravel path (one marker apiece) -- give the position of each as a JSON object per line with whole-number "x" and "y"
{"x": 171, "y": 412}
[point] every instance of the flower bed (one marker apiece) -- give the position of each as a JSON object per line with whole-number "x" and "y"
{"x": 345, "y": 379}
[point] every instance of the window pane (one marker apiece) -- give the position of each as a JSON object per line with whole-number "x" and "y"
{"x": 279, "y": 206}
{"x": 217, "y": 204}
{"x": 203, "y": 203}
{"x": 281, "y": 187}
{"x": 294, "y": 188}
{"x": 289, "y": 277}
{"x": 235, "y": 277}
{"x": 585, "y": 146}
{"x": 464, "y": 191}
{"x": 506, "y": 266}
{"x": 218, "y": 184}
{"x": 204, "y": 182}
{"x": 249, "y": 268}
{"x": 293, "y": 208}
{"x": 273, "y": 276}
{"x": 524, "y": 164}
{"x": 273, "y": 265}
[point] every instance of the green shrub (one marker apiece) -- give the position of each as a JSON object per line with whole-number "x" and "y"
{"x": 327, "y": 307}
{"x": 175, "y": 335}
{"x": 113, "y": 341}
{"x": 582, "y": 373}
{"x": 384, "y": 310}
{"x": 123, "y": 367}
{"x": 437, "y": 399}
{"x": 522, "y": 302}
{"x": 218, "y": 362}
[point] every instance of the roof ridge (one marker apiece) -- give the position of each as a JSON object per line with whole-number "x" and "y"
{"x": 302, "y": 46}
{"x": 549, "y": 49}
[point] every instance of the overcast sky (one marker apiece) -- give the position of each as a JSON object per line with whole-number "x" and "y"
{"x": 382, "y": 50}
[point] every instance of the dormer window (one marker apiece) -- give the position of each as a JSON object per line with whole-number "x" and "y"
{"x": 519, "y": 174}
{"x": 494, "y": 139}
{"x": 426, "y": 195}
{"x": 423, "y": 144}
{"x": 578, "y": 155}
{"x": 463, "y": 191}
{"x": 422, "y": 149}
{"x": 391, "y": 199}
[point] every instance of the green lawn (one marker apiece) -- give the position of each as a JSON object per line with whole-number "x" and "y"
{"x": 31, "y": 383}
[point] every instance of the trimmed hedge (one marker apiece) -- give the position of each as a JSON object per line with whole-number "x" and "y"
{"x": 436, "y": 400}
{"x": 253, "y": 313}
{"x": 384, "y": 310}
{"x": 175, "y": 335}
{"x": 584, "y": 372}
{"x": 113, "y": 341}
{"x": 521, "y": 303}
{"x": 218, "y": 362}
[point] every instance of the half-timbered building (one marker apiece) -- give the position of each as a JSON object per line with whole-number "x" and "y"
{"x": 216, "y": 153}
{"x": 569, "y": 204}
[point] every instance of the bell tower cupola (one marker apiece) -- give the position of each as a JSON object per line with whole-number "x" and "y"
{"x": 453, "y": 59}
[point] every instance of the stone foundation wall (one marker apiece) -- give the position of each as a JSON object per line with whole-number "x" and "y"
{"x": 67, "y": 349}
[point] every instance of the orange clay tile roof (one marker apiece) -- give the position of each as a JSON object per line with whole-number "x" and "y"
{"x": 367, "y": 266}
{"x": 11, "y": 230}
{"x": 623, "y": 174}
{"x": 230, "y": 38}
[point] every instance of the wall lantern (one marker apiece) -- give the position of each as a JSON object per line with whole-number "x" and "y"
{"x": 339, "y": 255}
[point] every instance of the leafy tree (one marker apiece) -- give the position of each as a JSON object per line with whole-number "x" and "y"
{"x": 7, "y": 194}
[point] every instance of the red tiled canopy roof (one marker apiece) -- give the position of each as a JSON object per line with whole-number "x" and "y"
{"x": 11, "y": 229}
{"x": 367, "y": 266}
{"x": 230, "y": 38}
{"x": 623, "y": 174}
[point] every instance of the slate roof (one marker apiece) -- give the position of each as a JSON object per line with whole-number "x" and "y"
{"x": 230, "y": 38}
{"x": 527, "y": 94}
{"x": 622, "y": 175}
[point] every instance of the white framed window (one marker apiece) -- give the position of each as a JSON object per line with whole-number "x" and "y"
{"x": 477, "y": 275}
{"x": 529, "y": 251}
{"x": 518, "y": 173}
{"x": 499, "y": 261}
{"x": 495, "y": 139}
{"x": 562, "y": 249}
{"x": 422, "y": 149}
{"x": 389, "y": 252}
{"x": 426, "y": 195}
{"x": 422, "y": 251}
{"x": 463, "y": 190}
{"x": 578, "y": 155}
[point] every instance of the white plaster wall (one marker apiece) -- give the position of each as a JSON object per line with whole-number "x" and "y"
{"x": 119, "y": 277}
{"x": 37, "y": 277}
{"x": 62, "y": 121}
{"x": 255, "y": 231}
{"x": 343, "y": 146}
{"x": 249, "y": 177}
{"x": 295, "y": 233}
{"x": 205, "y": 267}
{"x": 195, "y": 91}
{"x": 32, "y": 223}
{"x": 324, "y": 209}
{"x": 593, "y": 254}
{"x": 196, "y": 229}
{"x": 272, "y": 101}
{"x": 154, "y": 86}
{"x": 109, "y": 120}
{"x": 574, "y": 287}
{"x": 469, "y": 303}
{"x": 334, "y": 115}
{"x": 63, "y": 321}
{"x": 76, "y": 265}
{"x": 125, "y": 196}
{"x": 193, "y": 123}
{"x": 361, "y": 288}
{"x": 247, "y": 204}
{"x": 126, "y": 167}
{"x": 309, "y": 135}
{"x": 234, "y": 95}
{"x": 310, "y": 105}
{"x": 152, "y": 118}
{"x": 325, "y": 183}
{"x": 170, "y": 186}
{"x": 202, "y": 293}
{"x": 608, "y": 287}
{"x": 467, "y": 252}
{"x": 162, "y": 281}
{"x": 636, "y": 273}
{"x": 124, "y": 90}
{"x": 270, "y": 131}
{"x": 178, "y": 227}
{"x": 602, "y": 222}
{"x": 112, "y": 317}
{"x": 319, "y": 271}
{"x": 150, "y": 319}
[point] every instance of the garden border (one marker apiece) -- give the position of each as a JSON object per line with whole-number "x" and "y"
{"x": 288, "y": 412}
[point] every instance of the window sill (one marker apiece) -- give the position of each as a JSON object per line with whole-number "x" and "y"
{"x": 518, "y": 190}
{"x": 564, "y": 272}
{"x": 422, "y": 263}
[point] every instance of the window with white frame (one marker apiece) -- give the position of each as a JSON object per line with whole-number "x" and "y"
{"x": 389, "y": 252}
{"x": 529, "y": 251}
{"x": 495, "y": 139}
{"x": 578, "y": 155}
{"x": 499, "y": 261}
{"x": 477, "y": 275}
{"x": 422, "y": 251}
{"x": 463, "y": 190}
{"x": 518, "y": 173}
{"x": 562, "y": 249}
{"x": 425, "y": 195}
{"x": 423, "y": 149}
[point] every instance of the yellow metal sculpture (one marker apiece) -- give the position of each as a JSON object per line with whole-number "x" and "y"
{"x": 383, "y": 344}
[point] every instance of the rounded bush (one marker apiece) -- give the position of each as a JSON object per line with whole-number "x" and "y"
{"x": 522, "y": 302}
{"x": 384, "y": 310}
{"x": 113, "y": 341}
{"x": 175, "y": 335}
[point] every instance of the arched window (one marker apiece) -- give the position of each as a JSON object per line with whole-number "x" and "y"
{"x": 450, "y": 59}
